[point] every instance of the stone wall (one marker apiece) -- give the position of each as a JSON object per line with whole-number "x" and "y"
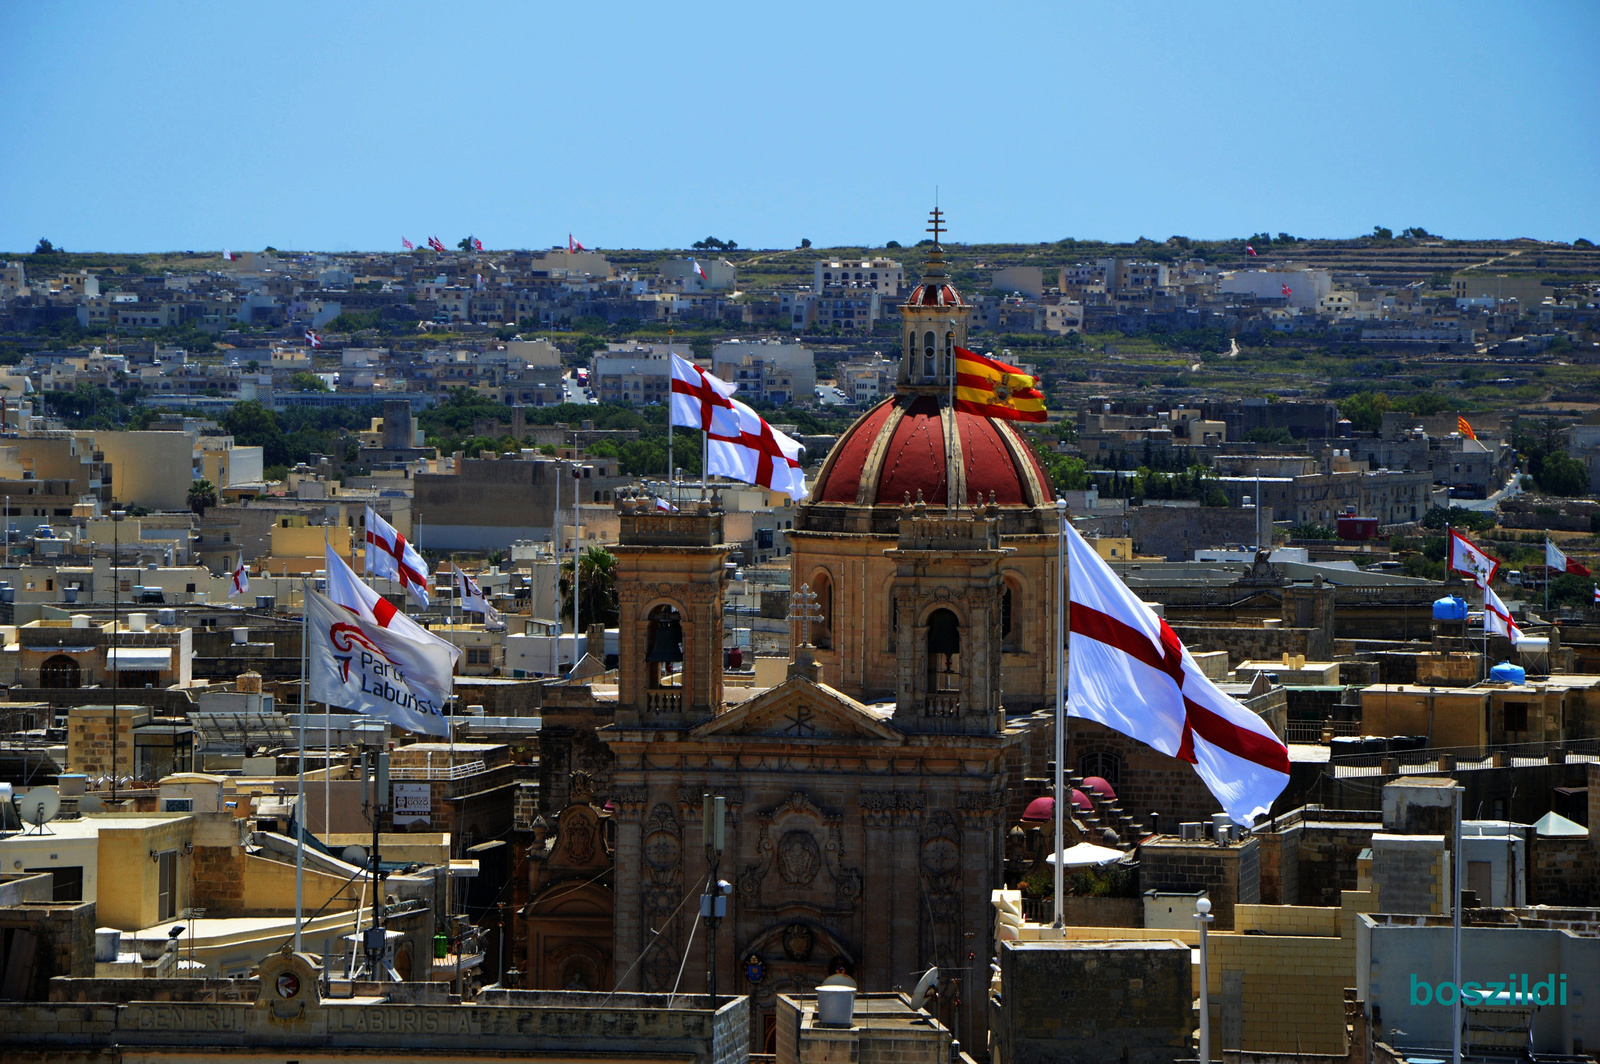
{"x": 1408, "y": 873}
{"x": 1563, "y": 871}
{"x": 1117, "y": 1001}
{"x": 41, "y": 940}
{"x": 1230, "y": 875}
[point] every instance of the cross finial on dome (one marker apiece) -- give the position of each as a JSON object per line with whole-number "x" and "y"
{"x": 936, "y": 218}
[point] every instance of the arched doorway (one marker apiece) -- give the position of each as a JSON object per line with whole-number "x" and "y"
{"x": 59, "y": 671}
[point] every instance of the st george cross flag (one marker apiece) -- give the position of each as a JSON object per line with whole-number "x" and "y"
{"x": 1497, "y": 619}
{"x": 1556, "y": 558}
{"x": 240, "y": 584}
{"x": 472, "y": 598}
{"x": 388, "y": 554}
{"x": 1128, "y": 671}
{"x": 758, "y": 454}
{"x": 702, "y": 401}
{"x": 1466, "y": 558}
{"x": 368, "y": 656}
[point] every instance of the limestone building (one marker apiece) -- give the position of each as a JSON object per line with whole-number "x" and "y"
{"x": 866, "y": 793}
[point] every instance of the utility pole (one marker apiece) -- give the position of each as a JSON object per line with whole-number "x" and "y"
{"x": 714, "y": 902}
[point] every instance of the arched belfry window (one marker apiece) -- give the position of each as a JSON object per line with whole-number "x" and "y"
{"x": 944, "y": 651}
{"x": 664, "y": 647}
{"x": 930, "y": 367}
{"x": 911, "y": 348}
{"x": 950, "y": 352}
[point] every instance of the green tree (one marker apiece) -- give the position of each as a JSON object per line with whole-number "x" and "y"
{"x": 307, "y": 382}
{"x": 1274, "y": 434}
{"x": 597, "y": 583}
{"x": 202, "y": 496}
{"x": 1312, "y": 530}
{"x": 806, "y": 242}
{"x": 465, "y": 243}
{"x": 1365, "y": 410}
{"x": 1380, "y": 233}
{"x": 1561, "y": 474}
{"x": 44, "y": 247}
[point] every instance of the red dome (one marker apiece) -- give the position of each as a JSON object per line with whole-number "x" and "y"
{"x": 934, "y": 294}
{"x": 1101, "y": 787}
{"x": 898, "y": 448}
{"x": 1040, "y": 809}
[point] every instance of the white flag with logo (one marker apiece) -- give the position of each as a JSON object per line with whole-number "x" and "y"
{"x": 356, "y": 663}
{"x": 1465, "y": 557}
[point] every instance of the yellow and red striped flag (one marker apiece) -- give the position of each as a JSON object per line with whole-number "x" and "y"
{"x": 992, "y": 388}
{"x": 1464, "y": 428}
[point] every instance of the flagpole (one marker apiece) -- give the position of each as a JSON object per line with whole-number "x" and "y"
{"x": 1547, "y": 576}
{"x": 577, "y": 558}
{"x": 672, "y": 477}
{"x": 1061, "y": 699}
{"x": 300, "y": 791}
{"x": 327, "y": 712}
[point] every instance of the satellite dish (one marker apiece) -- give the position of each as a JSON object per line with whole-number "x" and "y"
{"x": 354, "y": 855}
{"x": 91, "y": 803}
{"x": 39, "y": 806}
{"x": 926, "y": 986}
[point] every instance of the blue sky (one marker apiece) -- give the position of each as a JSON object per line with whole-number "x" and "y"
{"x": 342, "y": 125}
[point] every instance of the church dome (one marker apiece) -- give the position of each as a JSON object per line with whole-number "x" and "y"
{"x": 934, "y": 294}
{"x": 898, "y": 448}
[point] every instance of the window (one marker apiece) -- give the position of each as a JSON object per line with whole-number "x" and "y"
{"x": 1005, "y": 612}
{"x": 944, "y": 651}
{"x": 929, "y": 352}
{"x": 1102, "y": 763}
{"x": 167, "y": 889}
{"x": 1516, "y": 716}
{"x": 478, "y": 656}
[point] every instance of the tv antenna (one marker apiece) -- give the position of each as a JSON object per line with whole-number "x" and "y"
{"x": 38, "y": 807}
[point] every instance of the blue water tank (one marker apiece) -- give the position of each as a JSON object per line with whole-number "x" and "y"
{"x": 1505, "y": 672}
{"x": 1450, "y": 608}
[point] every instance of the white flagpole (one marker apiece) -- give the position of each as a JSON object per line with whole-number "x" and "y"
{"x": 327, "y": 722}
{"x": 1547, "y": 575}
{"x": 300, "y": 791}
{"x": 1061, "y": 701}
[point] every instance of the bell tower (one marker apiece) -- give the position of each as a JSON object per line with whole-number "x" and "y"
{"x": 949, "y": 594}
{"x": 669, "y": 594}
{"x": 933, "y": 324}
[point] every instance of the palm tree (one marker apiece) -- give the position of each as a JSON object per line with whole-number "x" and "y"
{"x": 202, "y": 495}
{"x": 597, "y": 583}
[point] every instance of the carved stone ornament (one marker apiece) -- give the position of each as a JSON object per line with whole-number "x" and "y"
{"x": 797, "y": 942}
{"x": 799, "y": 858}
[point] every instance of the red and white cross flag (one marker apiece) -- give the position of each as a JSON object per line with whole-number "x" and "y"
{"x": 1287, "y": 291}
{"x": 1556, "y": 558}
{"x": 408, "y": 245}
{"x": 312, "y": 339}
{"x": 1597, "y": 594}
{"x": 472, "y": 598}
{"x": 367, "y": 656}
{"x": 1250, "y": 251}
{"x": 573, "y": 245}
{"x": 477, "y": 245}
{"x": 1466, "y": 558}
{"x": 702, "y": 401}
{"x": 388, "y": 554}
{"x": 240, "y": 585}
{"x": 1128, "y": 671}
{"x": 435, "y": 243}
{"x": 1497, "y": 619}
{"x": 758, "y": 454}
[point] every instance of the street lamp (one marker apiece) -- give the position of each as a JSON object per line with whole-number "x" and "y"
{"x": 1202, "y": 915}
{"x": 116, "y": 599}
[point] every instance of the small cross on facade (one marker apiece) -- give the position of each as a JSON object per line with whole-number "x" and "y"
{"x": 803, "y": 607}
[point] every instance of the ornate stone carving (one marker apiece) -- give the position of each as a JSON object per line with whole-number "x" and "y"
{"x": 797, "y": 942}
{"x": 662, "y": 888}
{"x": 940, "y": 871}
{"x": 984, "y": 805}
{"x": 884, "y": 808}
{"x": 799, "y": 858}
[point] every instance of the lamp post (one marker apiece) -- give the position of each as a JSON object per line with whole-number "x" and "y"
{"x": 1061, "y": 699}
{"x": 1202, "y": 915}
{"x": 116, "y": 600}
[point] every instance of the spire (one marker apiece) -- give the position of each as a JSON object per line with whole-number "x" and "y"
{"x": 935, "y": 272}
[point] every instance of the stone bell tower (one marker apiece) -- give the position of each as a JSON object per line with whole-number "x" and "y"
{"x": 933, "y": 324}
{"x": 949, "y": 595}
{"x": 669, "y": 592}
